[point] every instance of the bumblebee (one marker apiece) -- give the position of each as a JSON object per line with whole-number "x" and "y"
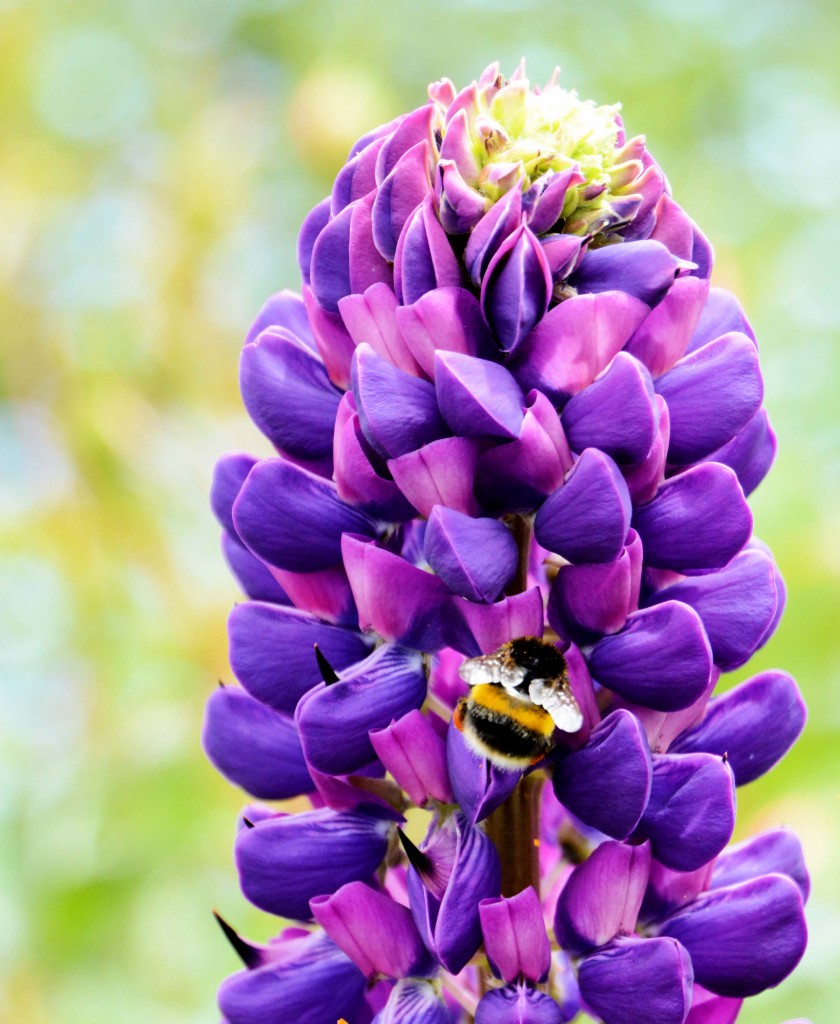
{"x": 519, "y": 695}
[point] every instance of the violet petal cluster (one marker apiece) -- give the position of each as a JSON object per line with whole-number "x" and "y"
{"x": 508, "y": 403}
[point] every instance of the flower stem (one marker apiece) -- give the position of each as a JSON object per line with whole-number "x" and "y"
{"x": 515, "y": 830}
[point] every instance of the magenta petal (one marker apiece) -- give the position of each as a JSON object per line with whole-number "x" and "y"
{"x": 271, "y": 651}
{"x": 661, "y": 658}
{"x": 402, "y": 603}
{"x": 477, "y": 397}
{"x": 575, "y": 341}
{"x": 655, "y": 974}
{"x": 372, "y": 318}
{"x": 326, "y": 593}
{"x": 776, "y": 852}
{"x": 745, "y": 938}
{"x": 750, "y": 453}
{"x": 399, "y": 195}
{"x": 448, "y": 320}
{"x": 286, "y": 860}
{"x": 516, "y": 288}
{"x": 254, "y": 746}
{"x": 691, "y": 812}
{"x": 707, "y": 1008}
{"x": 334, "y": 720}
{"x": 461, "y": 206}
{"x": 736, "y": 604}
{"x": 698, "y": 520}
{"x": 398, "y": 412}
{"x": 332, "y": 339}
{"x": 664, "y": 336}
{"x": 293, "y": 519}
{"x": 424, "y": 258}
{"x": 253, "y": 576}
{"x": 616, "y": 413}
{"x": 477, "y": 629}
{"x": 587, "y": 519}
{"x": 607, "y": 782}
{"x": 587, "y": 601}
{"x": 440, "y": 473}
{"x": 754, "y": 725}
{"x": 415, "y": 755}
{"x": 514, "y": 936}
{"x": 712, "y": 394}
{"x": 721, "y": 314}
{"x": 376, "y": 932}
{"x": 602, "y": 897}
{"x": 475, "y": 558}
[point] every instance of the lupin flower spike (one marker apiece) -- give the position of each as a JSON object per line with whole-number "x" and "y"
{"x": 504, "y": 541}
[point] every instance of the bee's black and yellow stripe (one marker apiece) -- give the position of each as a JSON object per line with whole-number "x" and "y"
{"x": 507, "y": 730}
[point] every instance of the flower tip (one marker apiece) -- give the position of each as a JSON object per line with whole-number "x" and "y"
{"x": 328, "y": 673}
{"x": 416, "y": 858}
{"x": 248, "y": 954}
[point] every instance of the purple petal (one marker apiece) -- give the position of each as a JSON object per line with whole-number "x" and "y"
{"x": 357, "y": 177}
{"x": 691, "y": 812}
{"x": 330, "y": 262}
{"x": 376, "y": 932}
{"x": 586, "y": 520}
{"x": 229, "y": 474}
{"x": 251, "y": 574}
{"x": 745, "y": 938}
{"x": 414, "y": 1002}
{"x": 602, "y": 897}
{"x": 664, "y": 336}
{"x": 516, "y": 288}
{"x": 399, "y": 195}
{"x": 563, "y": 252}
{"x": 754, "y": 725}
{"x": 398, "y": 412}
{"x": 477, "y": 629}
{"x": 737, "y": 605}
{"x": 372, "y": 318}
{"x": 616, "y": 413}
{"x": 712, "y": 394}
{"x": 607, "y": 783}
{"x": 750, "y": 453}
{"x": 424, "y": 259}
{"x": 402, "y": 603}
{"x": 655, "y": 974}
{"x": 254, "y": 746}
{"x": 477, "y": 397}
{"x": 514, "y": 936}
{"x": 446, "y": 319}
{"x": 669, "y": 890}
{"x": 721, "y": 314}
{"x": 314, "y": 223}
{"x": 645, "y": 270}
{"x": 287, "y": 310}
{"x": 776, "y": 852}
{"x": 644, "y": 479}
{"x": 440, "y": 473}
{"x": 415, "y": 755}
{"x": 271, "y": 651}
{"x": 461, "y": 206}
{"x": 288, "y": 395}
{"x": 475, "y": 558}
{"x": 286, "y": 860}
{"x": 479, "y": 786}
{"x": 588, "y": 601}
{"x": 293, "y": 519}
{"x": 575, "y": 341}
{"x": 518, "y": 1004}
{"x": 411, "y": 129}
{"x": 661, "y": 658}
{"x": 498, "y": 224}
{"x": 545, "y": 198}
{"x": 698, "y": 520}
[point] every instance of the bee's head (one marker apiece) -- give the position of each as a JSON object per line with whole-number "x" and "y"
{"x": 540, "y": 659}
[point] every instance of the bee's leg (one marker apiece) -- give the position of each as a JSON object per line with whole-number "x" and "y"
{"x": 459, "y": 714}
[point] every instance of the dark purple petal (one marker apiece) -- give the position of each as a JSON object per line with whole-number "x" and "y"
{"x": 514, "y": 936}
{"x": 737, "y": 605}
{"x": 254, "y": 746}
{"x": 632, "y": 977}
{"x": 745, "y": 938}
{"x": 329, "y": 268}
{"x": 372, "y": 318}
{"x": 518, "y": 1004}
{"x": 424, "y": 259}
{"x": 644, "y": 479}
{"x": 588, "y": 601}
{"x": 691, "y": 812}
{"x": 721, "y": 314}
{"x": 448, "y": 320}
{"x": 334, "y": 720}
{"x": 750, "y": 453}
{"x": 544, "y": 200}
{"x": 288, "y": 395}
{"x": 252, "y": 575}
{"x": 607, "y": 783}
{"x": 229, "y": 474}
{"x": 357, "y": 177}
{"x": 271, "y": 651}
{"x": 477, "y": 397}
{"x": 616, "y": 413}
{"x": 477, "y": 629}
{"x": 500, "y": 221}
{"x": 661, "y": 658}
{"x": 602, "y": 897}
{"x": 575, "y": 341}
{"x": 698, "y": 520}
{"x": 479, "y": 786}
{"x": 776, "y": 852}
{"x": 475, "y": 558}
{"x": 415, "y": 755}
{"x": 712, "y": 394}
{"x": 377, "y": 933}
{"x": 285, "y": 861}
{"x": 293, "y": 519}
{"x": 587, "y": 519}
{"x": 310, "y": 980}
{"x": 398, "y": 412}
{"x": 664, "y": 335}
{"x": 399, "y": 195}
{"x": 516, "y": 288}
{"x": 754, "y": 725}
{"x": 414, "y": 1002}
{"x": 440, "y": 473}
{"x": 402, "y": 603}
{"x": 645, "y": 270}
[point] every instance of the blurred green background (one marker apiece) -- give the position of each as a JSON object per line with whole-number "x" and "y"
{"x": 157, "y": 159}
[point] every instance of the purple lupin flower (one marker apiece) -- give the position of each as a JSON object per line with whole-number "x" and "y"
{"x": 504, "y": 541}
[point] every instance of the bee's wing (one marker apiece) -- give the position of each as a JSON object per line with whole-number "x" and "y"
{"x": 556, "y": 698}
{"x": 485, "y": 669}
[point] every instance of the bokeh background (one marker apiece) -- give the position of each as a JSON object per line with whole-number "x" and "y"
{"x": 157, "y": 159}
